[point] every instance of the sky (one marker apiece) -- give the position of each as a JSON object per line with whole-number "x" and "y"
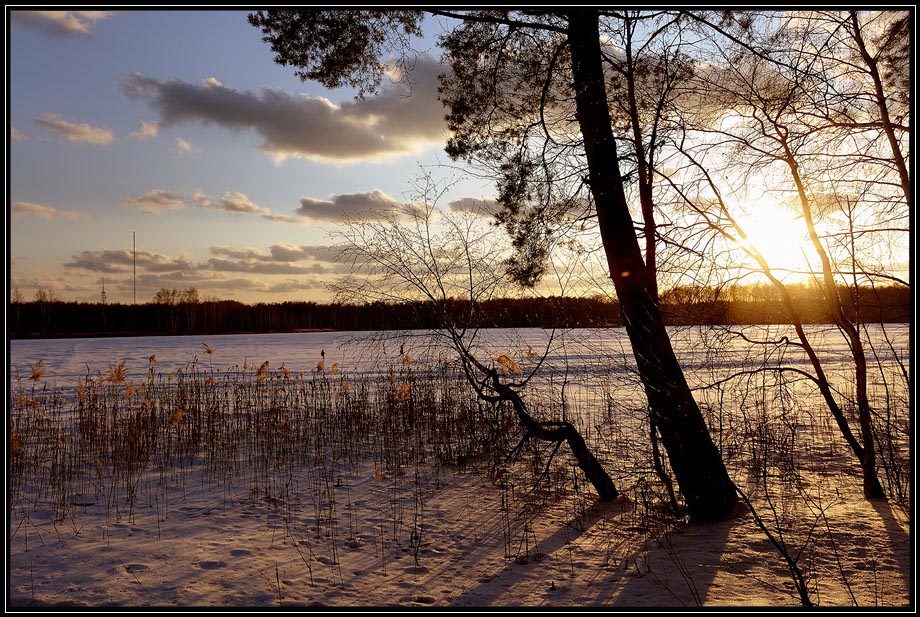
{"x": 178, "y": 127}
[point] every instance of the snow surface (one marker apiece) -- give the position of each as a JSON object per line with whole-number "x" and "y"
{"x": 350, "y": 534}
{"x": 220, "y": 547}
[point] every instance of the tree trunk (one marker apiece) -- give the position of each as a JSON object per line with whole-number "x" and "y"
{"x": 872, "y": 488}
{"x": 558, "y": 432}
{"x": 695, "y": 460}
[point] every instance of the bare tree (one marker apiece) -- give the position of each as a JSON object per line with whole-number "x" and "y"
{"x": 450, "y": 260}
{"x": 527, "y": 94}
{"x": 775, "y": 99}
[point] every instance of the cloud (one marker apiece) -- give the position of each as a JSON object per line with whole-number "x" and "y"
{"x": 122, "y": 260}
{"x": 82, "y": 132}
{"x": 227, "y": 251}
{"x": 183, "y": 146}
{"x": 48, "y": 282}
{"x": 284, "y": 253}
{"x": 156, "y": 201}
{"x": 21, "y": 208}
{"x": 475, "y": 206}
{"x": 60, "y": 23}
{"x": 321, "y": 252}
{"x": 283, "y": 218}
{"x": 388, "y": 124}
{"x": 273, "y": 271}
{"x": 15, "y": 135}
{"x": 199, "y": 280}
{"x": 147, "y": 130}
{"x": 230, "y": 202}
{"x": 292, "y": 285}
{"x": 261, "y": 267}
{"x": 349, "y": 206}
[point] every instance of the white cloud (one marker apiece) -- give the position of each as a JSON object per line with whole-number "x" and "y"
{"x": 81, "y": 132}
{"x": 15, "y": 135}
{"x": 60, "y": 23}
{"x": 147, "y": 130}
{"x": 21, "y": 208}
{"x": 378, "y": 127}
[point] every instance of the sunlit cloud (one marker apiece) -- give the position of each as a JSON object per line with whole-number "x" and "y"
{"x": 285, "y": 253}
{"x": 378, "y": 127}
{"x": 183, "y": 146}
{"x": 78, "y": 132}
{"x": 147, "y": 130}
{"x": 247, "y": 253}
{"x": 261, "y": 267}
{"x": 321, "y": 252}
{"x": 60, "y": 23}
{"x": 150, "y": 283}
{"x": 123, "y": 260}
{"x": 230, "y": 202}
{"x": 16, "y": 135}
{"x": 47, "y": 281}
{"x": 340, "y": 208}
{"x": 293, "y": 285}
{"x": 474, "y": 205}
{"x": 281, "y": 269}
{"x": 155, "y": 201}
{"x": 21, "y": 208}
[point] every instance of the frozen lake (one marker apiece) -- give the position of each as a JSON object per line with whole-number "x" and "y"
{"x": 707, "y": 353}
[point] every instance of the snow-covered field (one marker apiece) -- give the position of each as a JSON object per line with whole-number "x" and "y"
{"x": 468, "y": 543}
{"x": 360, "y": 530}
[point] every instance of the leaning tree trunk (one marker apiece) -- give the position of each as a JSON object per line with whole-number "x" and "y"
{"x": 558, "y": 432}
{"x": 695, "y": 460}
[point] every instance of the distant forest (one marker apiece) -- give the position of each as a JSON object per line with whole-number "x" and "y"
{"x": 183, "y": 312}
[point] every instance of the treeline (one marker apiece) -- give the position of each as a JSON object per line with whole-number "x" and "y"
{"x": 184, "y": 313}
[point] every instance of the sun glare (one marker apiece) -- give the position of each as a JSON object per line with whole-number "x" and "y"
{"x": 780, "y": 236}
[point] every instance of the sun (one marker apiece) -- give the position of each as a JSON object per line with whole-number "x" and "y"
{"x": 780, "y": 236}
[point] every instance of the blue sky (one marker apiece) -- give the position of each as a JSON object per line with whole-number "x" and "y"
{"x": 178, "y": 125}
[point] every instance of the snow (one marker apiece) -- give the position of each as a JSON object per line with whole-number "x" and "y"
{"x": 356, "y": 532}
{"x": 347, "y": 536}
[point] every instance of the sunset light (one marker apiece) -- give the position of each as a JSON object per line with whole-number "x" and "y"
{"x": 602, "y": 308}
{"x": 780, "y": 237}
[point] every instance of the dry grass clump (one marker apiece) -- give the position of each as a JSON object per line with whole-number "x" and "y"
{"x": 248, "y": 424}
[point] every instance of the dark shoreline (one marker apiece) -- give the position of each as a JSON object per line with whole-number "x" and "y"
{"x": 66, "y": 335}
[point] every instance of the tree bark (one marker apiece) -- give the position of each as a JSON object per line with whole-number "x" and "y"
{"x": 558, "y": 432}
{"x": 695, "y": 460}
